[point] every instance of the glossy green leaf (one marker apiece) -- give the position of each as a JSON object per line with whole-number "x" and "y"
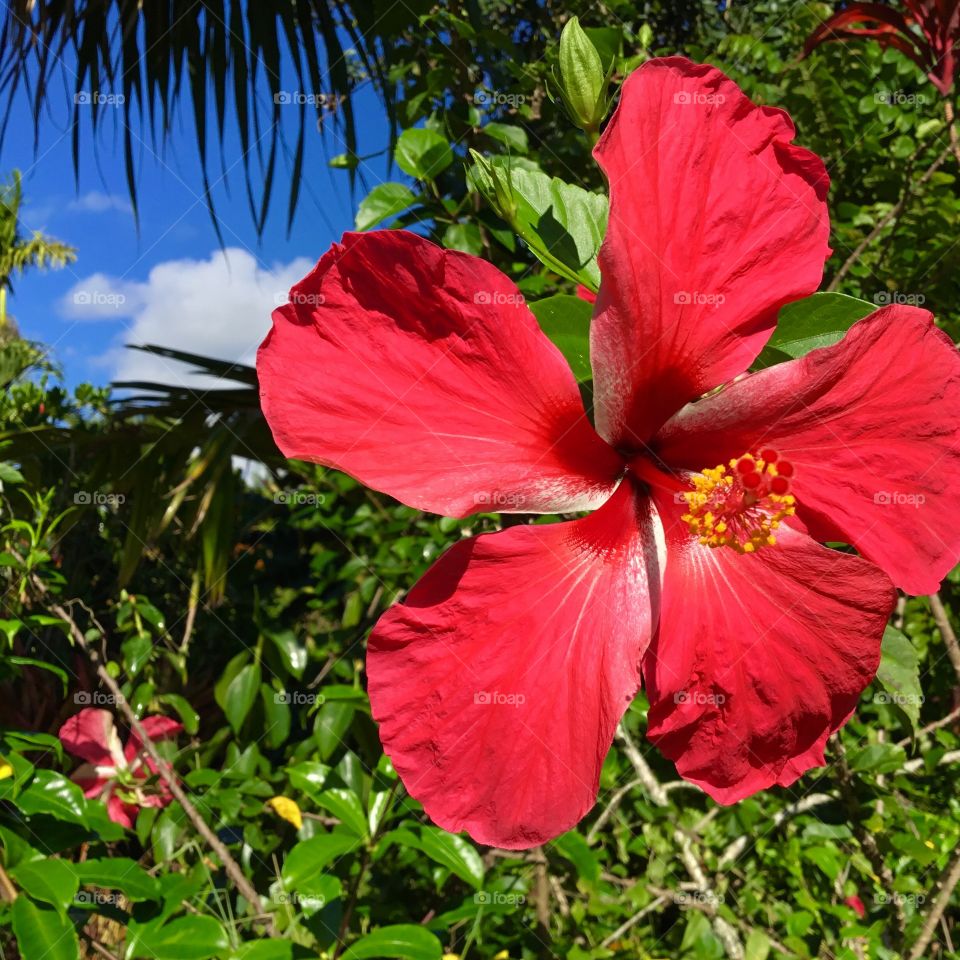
{"x": 455, "y": 853}
{"x": 184, "y": 938}
{"x": 423, "y": 153}
{"x": 309, "y": 858}
{"x": 565, "y": 320}
{"x": 241, "y": 694}
{"x": 816, "y": 321}
{"x": 384, "y": 201}
{"x": 899, "y": 673}
{"x": 345, "y": 805}
{"x": 50, "y": 880}
{"x": 42, "y": 933}
{"x": 562, "y": 224}
{"x": 118, "y": 873}
{"x": 403, "y": 940}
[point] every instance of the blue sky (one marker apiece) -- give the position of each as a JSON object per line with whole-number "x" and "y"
{"x": 171, "y": 282}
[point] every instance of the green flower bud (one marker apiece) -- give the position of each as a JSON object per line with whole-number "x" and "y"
{"x": 583, "y": 82}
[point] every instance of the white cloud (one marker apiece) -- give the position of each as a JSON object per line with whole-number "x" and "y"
{"x": 219, "y": 307}
{"x": 94, "y": 201}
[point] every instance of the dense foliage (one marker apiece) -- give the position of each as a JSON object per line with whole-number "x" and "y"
{"x": 145, "y": 573}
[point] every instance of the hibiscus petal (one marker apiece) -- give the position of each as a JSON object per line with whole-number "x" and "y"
{"x": 716, "y": 221}
{"x": 872, "y": 427}
{"x": 156, "y": 727}
{"x": 92, "y": 736}
{"x": 759, "y": 657}
{"x": 92, "y": 780}
{"x": 422, "y": 373}
{"x": 499, "y": 683}
{"x": 120, "y": 812}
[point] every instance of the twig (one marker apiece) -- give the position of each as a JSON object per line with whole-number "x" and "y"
{"x": 8, "y": 892}
{"x": 610, "y": 809}
{"x": 930, "y": 727}
{"x": 895, "y": 211}
{"x": 735, "y": 849}
{"x": 634, "y": 920}
{"x": 726, "y": 934}
{"x": 542, "y": 896}
{"x": 951, "y": 878}
{"x": 942, "y": 620}
{"x": 163, "y": 768}
{"x": 646, "y": 776}
{"x": 868, "y": 843}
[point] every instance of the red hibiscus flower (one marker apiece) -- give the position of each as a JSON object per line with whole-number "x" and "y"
{"x": 499, "y": 681}
{"x": 119, "y": 774}
{"x": 927, "y": 31}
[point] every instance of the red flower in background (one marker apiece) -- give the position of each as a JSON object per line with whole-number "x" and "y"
{"x": 119, "y": 774}
{"x": 927, "y": 31}
{"x": 499, "y": 681}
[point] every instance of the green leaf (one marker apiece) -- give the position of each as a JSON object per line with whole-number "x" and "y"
{"x": 291, "y": 650}
{"x": 464, "y": 237}
{"x": 43, "y": 934}
{"x": 276, "y": 715}
{"x": 332, "y": 722}
{"x": 346, "y": 807}
{"x": 241, "y": 694}
{"x": 573, "y": 846}
{"x": 118, "y": 873}
{"x": 264, "y": 950}
{"x": 402, "y": 940}
{"x": 49, "y": 880}
{"x": 562, "y": 224}
{"x": 757, "y": 946}
{"x": 566, "y": 321}
{"x": 185, "y": 938}
{"x": 382, "y": 202}
{"x": 188, "y": 716}
{"x": 453, "y": 852}
{"x": 512, "y": 137}
{"x": 816, "y": 321}
{"x": 53, "y": 794}
{"x": 423, "y": 153}
{"x": 9, "y": 474}
{"x": 308, "y": 858}
{"x": 899, "y": 673}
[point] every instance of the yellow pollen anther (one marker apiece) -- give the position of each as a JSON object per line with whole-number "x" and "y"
{"x": 740, "y": 503}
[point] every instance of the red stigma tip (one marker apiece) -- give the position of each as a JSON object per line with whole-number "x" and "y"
{"x": 779, "y": 485}
{"x": 751, "y": 480}
{"x": 785, "y": 468}
{"x": 768, "y": 455}
{"x": 746, "y": 465}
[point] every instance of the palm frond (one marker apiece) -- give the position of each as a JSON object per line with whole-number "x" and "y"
{"x": 139, "y": 61}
